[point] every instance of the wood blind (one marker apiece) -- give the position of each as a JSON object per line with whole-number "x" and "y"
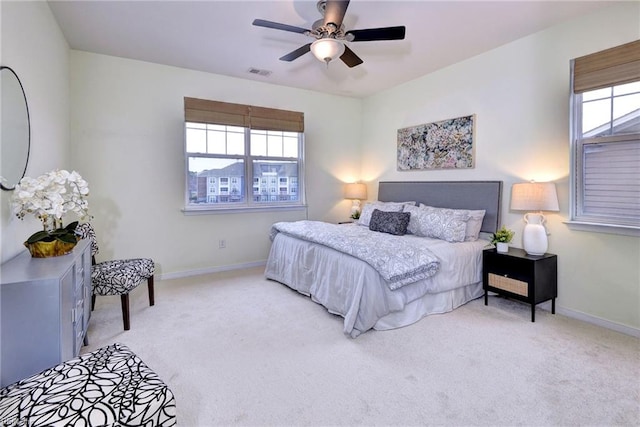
{"x": 610, "y": 67}
{"x": 225, "y": 113}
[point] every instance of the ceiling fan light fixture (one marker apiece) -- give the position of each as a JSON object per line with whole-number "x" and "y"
{"x": 327, "y": 50}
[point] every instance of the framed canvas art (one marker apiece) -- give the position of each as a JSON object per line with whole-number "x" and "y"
{"x": 447, "y": 144}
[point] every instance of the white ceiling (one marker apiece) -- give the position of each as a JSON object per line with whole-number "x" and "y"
{"x": 218, "y": 36}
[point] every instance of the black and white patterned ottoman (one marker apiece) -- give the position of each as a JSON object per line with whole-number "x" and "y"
{"x": 110, "y": 386}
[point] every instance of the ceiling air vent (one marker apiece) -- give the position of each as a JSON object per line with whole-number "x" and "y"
{"x": 259, "y": 72}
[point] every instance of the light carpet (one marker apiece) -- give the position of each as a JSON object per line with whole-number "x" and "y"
{"x": 237, "y": 349}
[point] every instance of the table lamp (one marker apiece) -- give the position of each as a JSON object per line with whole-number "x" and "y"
{"x": 534, "y": 196}
{"x": 356, "y": 192}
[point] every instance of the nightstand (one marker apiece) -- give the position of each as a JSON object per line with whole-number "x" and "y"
{"x": 529, "y": 278}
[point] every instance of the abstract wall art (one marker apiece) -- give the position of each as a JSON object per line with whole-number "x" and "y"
{"x": 447, "y": 144}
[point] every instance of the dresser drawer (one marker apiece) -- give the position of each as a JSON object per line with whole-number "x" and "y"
{"x": 507, "y": 284}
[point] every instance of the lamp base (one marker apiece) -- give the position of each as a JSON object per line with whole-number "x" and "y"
{"x": 355, "y": 207}
{"x": 534, "y": 236}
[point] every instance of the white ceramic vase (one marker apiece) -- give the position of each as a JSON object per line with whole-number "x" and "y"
{"x": 534, "y": 236}
{"x": 502, "y": 247}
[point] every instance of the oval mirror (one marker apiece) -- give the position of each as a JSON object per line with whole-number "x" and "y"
{"x": 15, "y": 131}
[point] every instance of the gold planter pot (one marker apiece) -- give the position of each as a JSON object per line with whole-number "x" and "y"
{"x": 49, "y": 249}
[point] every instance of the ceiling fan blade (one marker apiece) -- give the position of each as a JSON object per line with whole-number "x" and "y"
{"x": 278, "y": 26}
{"x": 296, "y": 53}
{"x": 334, "y": 12}
{"x": 350, "y": 58}
{"x": 373, "y": 34}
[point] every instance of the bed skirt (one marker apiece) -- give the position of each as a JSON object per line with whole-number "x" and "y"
{"x": 442, "y": 302}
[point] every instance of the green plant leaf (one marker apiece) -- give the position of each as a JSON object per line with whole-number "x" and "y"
{"x": 68, "y": 238}
{"x": 40, "y": 236}
{"x": 59, "y": 232}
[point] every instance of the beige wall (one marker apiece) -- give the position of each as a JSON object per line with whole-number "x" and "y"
{"x": 520, "y": 96}
{"x": 34, "y": 47}
{"x": 127, "y": 121}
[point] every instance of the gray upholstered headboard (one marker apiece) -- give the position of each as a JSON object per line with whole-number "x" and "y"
{"x": 485, "y": 195}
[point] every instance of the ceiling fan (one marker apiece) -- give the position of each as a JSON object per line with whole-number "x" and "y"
{"x": 330, "y": 34}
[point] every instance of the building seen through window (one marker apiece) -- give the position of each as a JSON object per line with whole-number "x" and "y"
{"x": 230, "y": 165}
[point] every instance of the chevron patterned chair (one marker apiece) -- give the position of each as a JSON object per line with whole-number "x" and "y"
{"x": 117, "y": 277}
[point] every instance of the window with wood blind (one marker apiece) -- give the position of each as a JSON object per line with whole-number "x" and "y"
{"x": 605, "y": 136}
{"x": 242, "y": 156}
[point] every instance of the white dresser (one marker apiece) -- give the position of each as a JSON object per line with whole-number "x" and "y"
{"x": 45, "y": 305}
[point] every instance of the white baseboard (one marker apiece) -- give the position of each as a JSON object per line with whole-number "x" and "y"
{"x": 594, "y": 320}
{"x": 627, "y": 330}
{"x": 209, "y": 270}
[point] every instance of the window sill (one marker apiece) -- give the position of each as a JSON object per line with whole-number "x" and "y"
{"x": 237, "y": 209}
{"x": 604, "y": 228}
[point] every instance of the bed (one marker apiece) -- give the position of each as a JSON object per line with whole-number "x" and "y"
{"x": 370, "y": 289}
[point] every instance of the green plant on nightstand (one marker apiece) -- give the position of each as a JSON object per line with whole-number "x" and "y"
{"x": 502, "y": 238}
{"x": 504, "y": 235}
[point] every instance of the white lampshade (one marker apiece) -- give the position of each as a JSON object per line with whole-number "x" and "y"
{"x": 327, "y": 50}
{"x": 355, "y": 191}
{"x": 534, "y": 196}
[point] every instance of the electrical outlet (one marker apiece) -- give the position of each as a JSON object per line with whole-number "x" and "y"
{"x": 222, "y": 244}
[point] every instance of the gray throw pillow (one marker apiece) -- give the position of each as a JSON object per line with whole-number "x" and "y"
{"x": 367, "y": 210}
{"x": 389, "y": 222}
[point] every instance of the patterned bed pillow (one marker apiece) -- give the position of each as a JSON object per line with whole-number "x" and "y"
{"x": 367, "y": 210}
{"x": 389, "y": 222}
{"x": 474, "y": 223}
{"x": 439, "y": 223}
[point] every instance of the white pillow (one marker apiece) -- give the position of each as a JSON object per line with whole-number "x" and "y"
{"x": 444, "y": 224}
{"x": 367, "y": 210}
{"x": 474, "y": 223}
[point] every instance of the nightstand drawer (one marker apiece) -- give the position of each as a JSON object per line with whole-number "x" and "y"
{"x": 507, "y": 284}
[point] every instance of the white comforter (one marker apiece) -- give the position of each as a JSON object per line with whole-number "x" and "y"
{"x": 353, "y": 289}
{"x": 399, "y": 261}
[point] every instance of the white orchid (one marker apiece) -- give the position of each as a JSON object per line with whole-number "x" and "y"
{"x": 50, "y": 196}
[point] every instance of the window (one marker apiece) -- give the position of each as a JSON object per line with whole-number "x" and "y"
{"x": 242, "y": 156}
{"x": 605, "y": 135}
